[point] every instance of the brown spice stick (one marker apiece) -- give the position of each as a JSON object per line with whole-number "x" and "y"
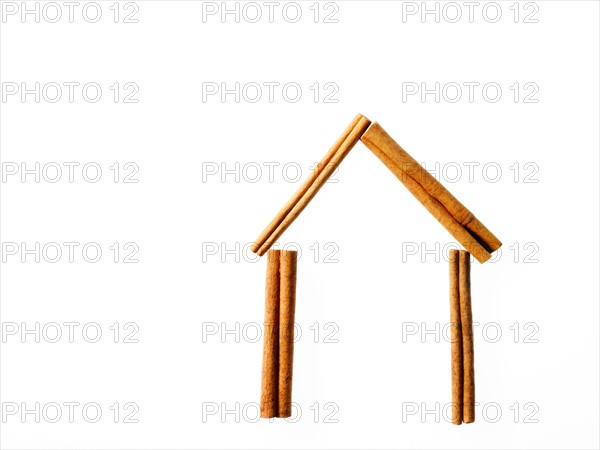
{"x": 432, "y": 205}
{"x": 466, "y": 320}
{"x": 311, "y": 186}
{"x": 287, "y": 308}
{"x": 376, "y": 136}
{"x": 302, "y": 190}
{"x": 456, "y": 349}
{"x": 270, "y": 370}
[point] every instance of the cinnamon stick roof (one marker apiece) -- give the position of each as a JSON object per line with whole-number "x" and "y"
{"x": 452, "y": 214}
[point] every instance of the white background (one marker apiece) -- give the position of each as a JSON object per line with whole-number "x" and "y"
{"x": 372, "y": 277}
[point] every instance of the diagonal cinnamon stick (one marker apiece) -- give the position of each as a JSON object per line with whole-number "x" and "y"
{"x": 434, "y": 207}
{"x": 287, "y": 308}
{"x": 311, "y": 186}
{"x": 456, "y": 349}
{"x": 452, "y": 214}
{"x": 466, "y": 321}
{"x": 269, "y": 385}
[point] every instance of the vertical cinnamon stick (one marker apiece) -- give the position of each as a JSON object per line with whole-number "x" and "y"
{"x": 311, "y": 186}
{"x": 270, "y": 371}
{"x": 466, "y": 320}
{"x": 456, "y": 349}
{"x": 412, "y": 173}
{"x": 287, "y": 308}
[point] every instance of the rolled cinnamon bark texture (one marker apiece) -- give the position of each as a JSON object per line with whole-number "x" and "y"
{"x": 453, "y": 215}
{"x": 278, "y": 352}
{"x": 292, "y": 209}
{"x": 461, "y": 338}
{"x": 287, "y": 309}
{"x": 466, "y": 323}
{"x": 270, "y": 370}
{"x": 456, "y": 340}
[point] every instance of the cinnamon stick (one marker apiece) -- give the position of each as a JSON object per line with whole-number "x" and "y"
{"x": 287, "y": 308}
{"x": 456, "y": 349}
{"x": 432, "y": 194}
{"x": 270, "y": 371}
{"x": 466, "y": 320}
{"x": 311, "y": 186}
{"x": 278, "y": 351}
{"x": 434, "y": 207}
